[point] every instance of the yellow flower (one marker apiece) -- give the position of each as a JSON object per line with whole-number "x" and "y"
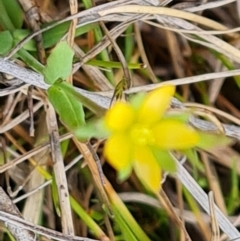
{"x": 140, "y": 138}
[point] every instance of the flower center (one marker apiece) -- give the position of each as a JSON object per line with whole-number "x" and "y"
{"x": 141, "y": 135}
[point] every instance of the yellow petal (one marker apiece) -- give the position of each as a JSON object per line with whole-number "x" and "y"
{"x": 173, "y": 134}
{"x": 118, "y": 151}
{"x": 119, "y": 117}
{"x": 155, "y": 104}
{"x": 147, "y": 169}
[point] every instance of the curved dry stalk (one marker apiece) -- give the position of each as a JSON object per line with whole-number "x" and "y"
{"x": 215, "y": 111}
{"x": 196, "y": 30}
{"x": 163, "y": 11}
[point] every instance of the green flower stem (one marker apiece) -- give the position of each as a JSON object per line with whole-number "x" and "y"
{"x": 125, "y": 220}
{"x": 87, "y": 219}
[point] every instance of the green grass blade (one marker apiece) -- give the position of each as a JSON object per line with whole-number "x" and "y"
{"x": 6, "y": 42}
{"x": 50, "y": 37}
{"x": 5, "y": 21}
{"x": 87, "y": 219}
{"x": 14, "y": 12}
{"x": 129, "y": 43}
{"x": 112, "y": 64}
{"x": 228, "y": 64}
{"x": 30, "y": 60}
{"x": 98, "y": 36}
{"x": 233, "y": 197}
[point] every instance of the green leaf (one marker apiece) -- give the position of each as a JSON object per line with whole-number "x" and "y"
{"x": 84, "y": 215}
{"x": 209, "y": 141}
{"x": 192, "y": 156}
{"x": 6, "y": 42}
{"x": 20, "y": 34}
{"x": 30, "y": 60}
{"x": 182, "y": 117}
{"x": 91, "y": 129}
{"x": 51, "y": 36}
{"x": 126, "y": 229}
{"x": 59, "y": 63}
{"x": 5, "y": 20}
{"x": 123, "y": 174}
{"x": 69, "y": 109}
{"x": 112, "y": 64}
{"x": 128, "y": 225}
{"x": 91, "y": 105}
{"x": 164, "y": 159}
{"x": 15, "y": 12}
{"x": 137, "y": 100}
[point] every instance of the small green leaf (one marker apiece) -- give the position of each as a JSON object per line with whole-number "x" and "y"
{"x": 51, "y": 36}
{"x": 192, "y": 156}
{"x": 91, "y": 105}
{"x": 69, "y": 109}
{"x": 19, "y": 35}
{"x": 113, "y": 64}
{"x": 209, "y": 141}
{"x": 15, "y": 12}
{"x": 164, "y": 159}
{"x": 6, "y": 42}
{"x": 97, "y": 216}
{"x": 182, "y": 117}
{"x": 59, "y": 63}
{"x": 5, "y": 20}
{"x": 91, "y": 129}
{"x": 124, "y": 174}
{"x": 137, "y": 100}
